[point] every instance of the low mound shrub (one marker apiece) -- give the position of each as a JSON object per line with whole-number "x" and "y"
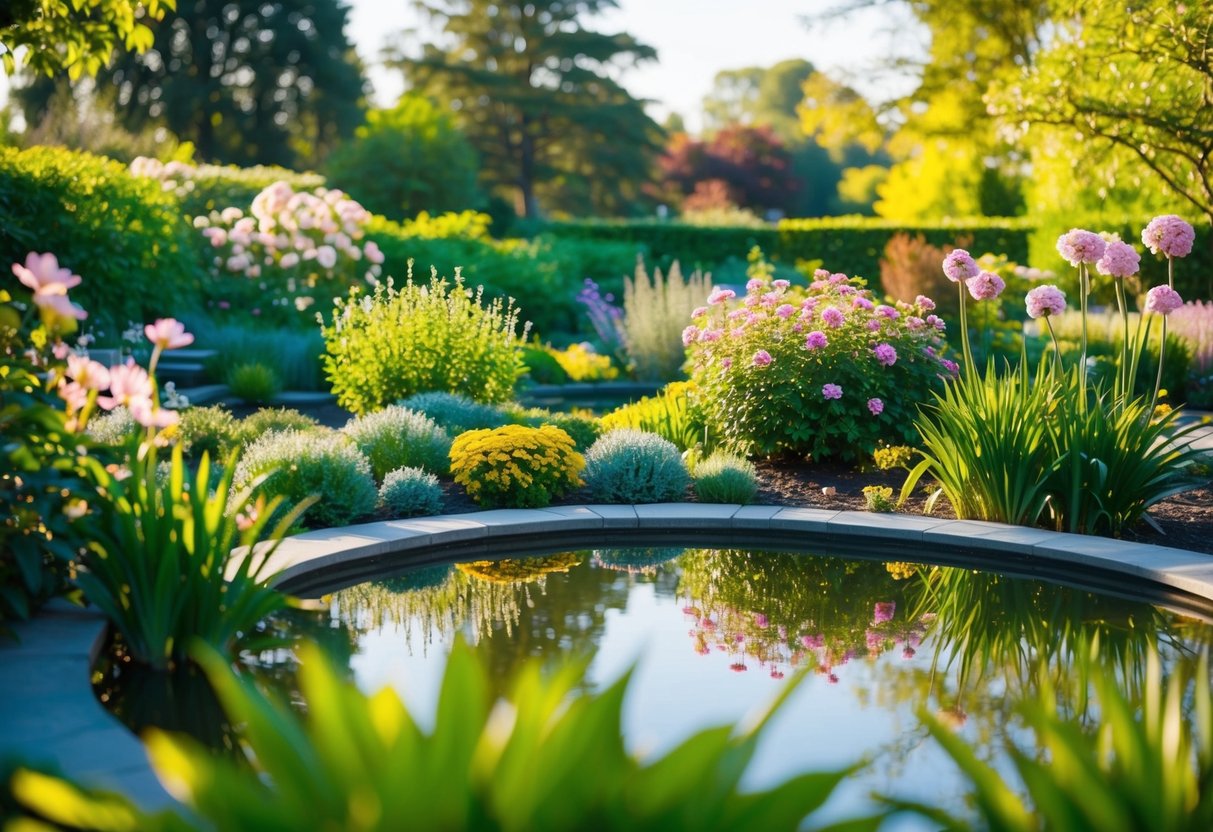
{"x": 631, "y": 466}
{"x": 515, "y": 465}
{"x": 113, "y": 428}
{"x": 207, "y": 430}
{"x": 302, "y": 464}
{"x": 410, "y": 492}
{"x": 271, "y": 420}
{"x": 725, "y": 478}
{"x": 456, "y": 413}
{"x": 254, "y": 382}
{"x": 583, "y": 429}
{"x": 397, "y": 437}
{"x": 419, "y": 338}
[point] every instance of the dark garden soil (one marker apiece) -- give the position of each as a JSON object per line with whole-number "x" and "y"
{"x": 1185, "y": 520}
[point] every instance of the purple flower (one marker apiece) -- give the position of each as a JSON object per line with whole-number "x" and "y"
{"x": 762, "y": 358}
{"x": 876, "y": 406}
{"x": 873, "y": 325}
{"x": 1163, "y": 299}
{"x": 833, "y": 317}
{"x": 689, "y": 334}
{"x": 951, "y": 366}
{"x": 915, "y": 323}
{"x": 1170, "y": 235}
{"x": 761, "y": 621}
{"x": 1119, "y": 260}
{"x": 1044, "y": 301}
{"x": 885, "y": 354}
{"x": 986, "y": 286}
{"x": 937, "y": 322}
{"x": 959, "y": 265}
{"x": 924, "y": 303}
{"x": 816, "y": 340}
{"x": 860, "y": 302}
{"x": 883, "y": 612}
{"x": 1079, "y": 246}
{"x": 831, "y": 391}
{"x": 726, "y": 363}
{"x": 785, "y": 310}
{"x": 813, "y": 642}
{"x": 719, "y": 296}
{"x": 888, "y": 312}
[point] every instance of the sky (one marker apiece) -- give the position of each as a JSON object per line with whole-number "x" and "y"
{"x": 694, "y": 40}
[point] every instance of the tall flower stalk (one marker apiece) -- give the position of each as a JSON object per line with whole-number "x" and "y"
{"x": 960, "y": 267}
{"x": 1172, "y": 237}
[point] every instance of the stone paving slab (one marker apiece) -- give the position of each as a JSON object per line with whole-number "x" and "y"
{"x": 685, "y": 515}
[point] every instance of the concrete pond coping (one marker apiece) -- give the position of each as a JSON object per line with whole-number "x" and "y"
{"x": 49, "y": 715}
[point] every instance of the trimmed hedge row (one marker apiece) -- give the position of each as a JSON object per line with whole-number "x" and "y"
{"x": 215, "y": 187}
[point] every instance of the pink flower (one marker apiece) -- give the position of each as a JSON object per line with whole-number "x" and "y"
{"x": 873, "y": 325}
{"x": 816, "y": 340}
{"x": 1044, "y": 301}
{"x": 883, "y": 612}
{"x": 781, "y": 284}
{"x": 860, "y": 302}
{"x": 761, "y": 621}
{"x": 688, "y": 335}
{"x": 89, "y": 374}
{"x": 959, "y": 265}
{"x": 951, "y": 366}
{"x": 699, "y": 310}
{"x": 1079, "y": 246}
{"x": 726, "y": 363}
{"x": 738, "y": 667}
{"x": 924, "y": 303}
{"x": 129, "y": 384}
{"x": 762, "y": 358}
{"x": 888, "y": 312}
{"x": 145, "y": 414}
{"x": 885, "y": 354}
{"x": 1163, "y": 299}
{"x": 986, "y": 286}
{"x": 785, "y": 310}
{"x": 719, "y": 296}
{"x": 876, "y": 406}
{"x": 710, "y": 335}
{"x": 58, "y": 305}
{"x": 831, "y": 391}
{"x": 1169, "y": 235}
{"x": 915, "y": 323}
{"x": 326, "y": 256}
{"x": 754, "y": 284}
{"x": 833, "y": 317}
{"x": 937, "y": 322}
{"x": 42, "y": 273}
{"x": 168, "y": 334}
{"x": 1119, "y": 260}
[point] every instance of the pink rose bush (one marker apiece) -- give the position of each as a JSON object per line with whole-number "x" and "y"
{"x": 773, "y": 382}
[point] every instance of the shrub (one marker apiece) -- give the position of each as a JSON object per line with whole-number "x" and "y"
{"x": 298, "y": 465}
{"x": 205, "y": 188}
{"x": 421, "y": 338}
{"x": 397, "y": 437}
{"x": 542, "y": 366}
{"x": 271, "y": 420}
{"x": 583, "y": 429}
{"x": 581, "y": 363}
{"x": 670, "y": 414}
{"x": 725, "y": 478}
{"x": 630, "y": 466}
{"x": 207, "y": 430}
{"x": 130, "y": 236}
{"x": 878, "y": 498}
{"x": 516, "y": 466}
{"x": 456, "y": 413}
{"x": 910, "y": 267}
{"x": 254, "y": 382}
{"x": 655, "y": 312}
{"x": 114, "y": 428}
{"x": 410, "y": 492}
{"x": 823, "y": 374}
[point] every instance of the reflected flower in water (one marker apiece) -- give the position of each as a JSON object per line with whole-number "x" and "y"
{"x": 883, "y": 612}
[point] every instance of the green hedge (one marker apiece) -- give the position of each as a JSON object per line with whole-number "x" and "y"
{"x": 215, "y": 187}
{"x": 123, "y": 234}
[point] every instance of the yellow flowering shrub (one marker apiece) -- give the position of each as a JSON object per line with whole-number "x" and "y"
{"x": 516, "y": 466}
{"x": 581, "y": 363}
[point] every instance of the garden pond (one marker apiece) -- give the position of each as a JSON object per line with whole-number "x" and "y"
{"x": 711, "y": 635}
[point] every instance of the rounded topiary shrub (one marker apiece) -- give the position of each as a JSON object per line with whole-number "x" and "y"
{"x": 302, "y": 464}
{"x": 631, "y": 466}
{"x": 456, "y": 413}
{"x": 397, "y": 437}
{"x": 421, "y": 337}
{"x": 725, "y": 478}
{"x": 515, "y": 465}
{"x": 410, "y": 492}
{"x": 271, "y": 420}
{"x": 207, "y": 430}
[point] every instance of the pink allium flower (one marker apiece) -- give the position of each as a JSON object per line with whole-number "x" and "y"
{"x": 833, "y": 317}
{"x": 816, "y": 340}
{"x": 770, "y": 298}
{"x": 924, "y": 303}
{"x": 1163, "y": 299}
{"x": 959, "y": 265}
{"x": 986, "y": 286}
{"x": 785, "y": 310}
{"x": 1119, "y": 260}
{"x": 1044, "y": 301}
{"x": 883, "y": 612}
{"x": 885, "y": 354}
{"x": 168, "y": 334}
{"x": 719, "y": 296}
{"x": 737, "y": 313}
{"x": 875, "y": 406}
{"x": 129, "y": 384}
{"x": 42, "y": 274}
{"x": 821, "y": 274}
{"x": 762, "y": 358}
{"x": 1169, "y": 235}
{"x": 831, "y": 391}
{"x": 89, "y": 374}
{"x": 689, "y": 334}
{"x": 1079, "y": 246}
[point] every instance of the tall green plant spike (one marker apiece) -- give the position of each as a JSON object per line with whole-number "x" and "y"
{"x": 655, "y": 312}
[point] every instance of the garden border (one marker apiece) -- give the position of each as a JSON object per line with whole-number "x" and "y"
{"x": 52, "y": 717}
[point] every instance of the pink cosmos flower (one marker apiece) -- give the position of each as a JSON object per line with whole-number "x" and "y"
{"x": 1079, "y": 246}
{"x": 1044, "y": 301}
{"x": 59, "y": 305}
{"x": 42, "y": 274}
{"x": 168, "y": 334}
{"x": 1119, "y": 260}
{"x": 833, "y": 317}
{"x": 762, "y": 358}
{"x": 129, "y": 384}
{"x": 875, "y": 406}
{"x": 1163, "y": 299}
{"x": 831, "y": 391}
{"x": 74, "y": 394}
{"x": 719, "y": 296}
{"x": 145, "y": 414}
{"x": 959, "y": 265}
{"x": 816, "y": 340}
{"x": 89, "y": 374}
{"x": 885, "y": 354}
{"x": 1169, "y": 235}
{"x": 986, "y": 286}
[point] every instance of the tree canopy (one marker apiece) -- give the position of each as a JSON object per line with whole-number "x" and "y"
{"x": 747, "y": 165}
{"x": 537, "y": 93}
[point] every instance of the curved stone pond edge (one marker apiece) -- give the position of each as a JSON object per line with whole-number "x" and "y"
{"x": 48, "y": 713}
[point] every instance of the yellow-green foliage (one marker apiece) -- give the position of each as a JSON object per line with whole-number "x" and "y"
{"x": 667, "y": 414}
{"x": 879, "y": 497}
{"x": 580, "y": 363}
{"x": 515, "y": 465}
{"x": 655, "y": 312}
